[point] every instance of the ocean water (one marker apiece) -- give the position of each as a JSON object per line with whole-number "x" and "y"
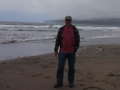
{"x": 25, "y": 33}
{"x": 30, "y": 40}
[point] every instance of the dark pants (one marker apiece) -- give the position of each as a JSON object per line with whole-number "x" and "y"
{"x": 61, "y": 63}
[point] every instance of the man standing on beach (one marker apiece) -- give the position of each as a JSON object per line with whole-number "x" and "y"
{"x": 68, "y": 39}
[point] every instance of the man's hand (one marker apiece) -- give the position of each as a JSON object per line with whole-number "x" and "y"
{"x": 56, "y": 54}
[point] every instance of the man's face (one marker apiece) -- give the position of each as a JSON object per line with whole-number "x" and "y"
{"x": 68, "y": 22}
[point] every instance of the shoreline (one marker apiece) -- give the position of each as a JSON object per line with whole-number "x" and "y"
{"x": 33, "y": 48}
{"x": 79, "y": 49}
{"x": 97, "y": 67}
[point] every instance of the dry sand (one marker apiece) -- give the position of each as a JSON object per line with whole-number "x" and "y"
{"x": 97, "y": 68}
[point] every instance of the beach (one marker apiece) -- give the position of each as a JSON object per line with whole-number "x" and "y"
{"x": 97, "y": 68}
{"x": 27, "y": 61}
{"x": 31, "y": 31}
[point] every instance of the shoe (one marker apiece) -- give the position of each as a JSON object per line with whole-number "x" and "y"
{"x": 57, "y": 85}
{"x": 71, "y": 84}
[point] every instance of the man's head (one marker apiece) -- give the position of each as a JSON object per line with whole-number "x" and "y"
{"x": 68, "y": 20}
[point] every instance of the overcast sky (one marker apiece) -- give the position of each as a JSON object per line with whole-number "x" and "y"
{"x": 40, "y": 10}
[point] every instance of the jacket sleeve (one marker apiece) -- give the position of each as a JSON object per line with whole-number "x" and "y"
{"x": 57, "y": 43}
{"x": 77, "y": 39}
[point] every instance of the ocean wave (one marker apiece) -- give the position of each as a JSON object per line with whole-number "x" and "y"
{"x": 54, "y": 28}
{"x": 6, "y": 42}
{"x": 44, "y": 30}
{"x": 29, "y": 26}
{"x": 16, "y": 40}
{"x": 105, "y": 36}
{"x": 27, "y": 39}
{"x": 86, "y": 28}
{"x": 51, "y": 37}
{"x": 35, "y": 30}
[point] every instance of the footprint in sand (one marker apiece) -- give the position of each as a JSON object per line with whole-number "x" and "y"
{"x": 21, "y": 73}
{"x": 36, "y": 62}
{"x": 113, "y": 85}
{"x": 45, "y": 66}
{"x": 82, "y": 85}
{"x": 118, "y": 53}
{"x": 7, "y": 86}
{"x": 51, "y": 66}
{"x": 52, "y": 62}
{"x": 3, "y": 63}
{"x": 35, "y": 75}
{"x": 114, "y": 48}
{"x": 97, "y": 81}
{"x": 47, "y": 77}
{"x": 46, "y": 61}
{"x": 90, "y": 78}
{"x": 110, "y": 74}
{"x": 21, "y": 70}
{"x": 117, "y": 75}
{"x": 92, "y": 87}
{"x": 94, "y": 57}
{"x": 89, "y": 83}
{"x": 90, "y": 73}
{"x": 84, "y": 88}
{"x": 81, "y": 79}
{"x": 18, "y": 68}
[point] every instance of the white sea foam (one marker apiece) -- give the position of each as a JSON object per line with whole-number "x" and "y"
{"x": 23, "y": 33}
{"x": 53, "y": 28}
{"x": 104, "y": 36}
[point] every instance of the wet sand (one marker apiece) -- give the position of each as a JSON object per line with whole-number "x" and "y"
{"x": 97, "y": 68}
{"x": 33, "y": 48}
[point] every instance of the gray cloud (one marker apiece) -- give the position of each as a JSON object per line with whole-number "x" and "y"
{"x": 57, "y": 9}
